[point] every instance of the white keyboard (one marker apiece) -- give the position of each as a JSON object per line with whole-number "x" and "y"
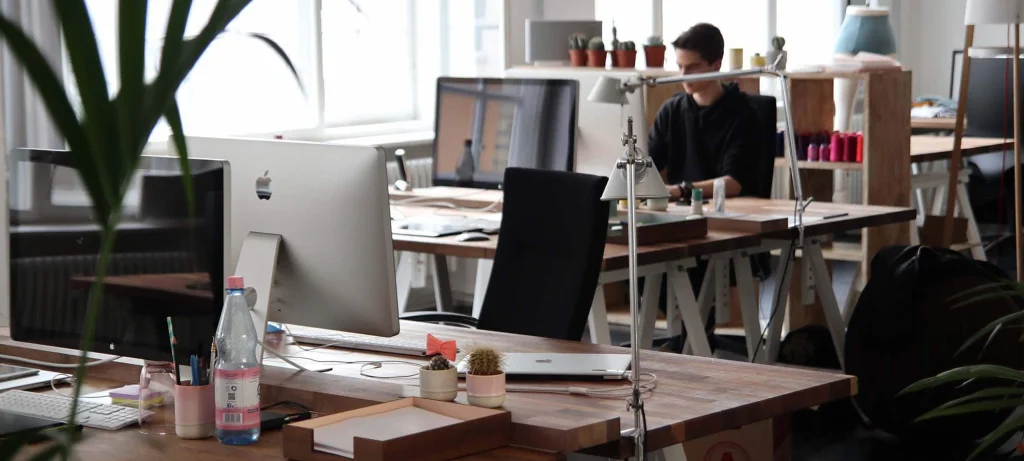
{"x": 58, "y": 408}
{"x": 365, "y": 343}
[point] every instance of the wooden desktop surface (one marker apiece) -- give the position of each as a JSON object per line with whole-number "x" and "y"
{"x": 924, "y": 148}
{"x": 695, "y": 396}
{"x": 615, "y": 256}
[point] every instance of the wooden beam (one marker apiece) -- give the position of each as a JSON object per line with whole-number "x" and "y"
{"x": 958, "y": 136}
{"x": 1016, "y": 153}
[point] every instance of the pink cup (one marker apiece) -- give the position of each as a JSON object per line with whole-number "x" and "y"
{"x": 194, "y": 411}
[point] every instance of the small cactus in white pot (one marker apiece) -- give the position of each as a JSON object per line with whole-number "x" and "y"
{"x": 438, "y": 379}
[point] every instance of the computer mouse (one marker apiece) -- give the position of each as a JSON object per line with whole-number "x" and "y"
{"x": 472, "y": 237}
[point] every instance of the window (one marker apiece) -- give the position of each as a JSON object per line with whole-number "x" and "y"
{"x": 808, "y": 42}
{"x": 743, "y": 22}
{"x": 361, "y": 62}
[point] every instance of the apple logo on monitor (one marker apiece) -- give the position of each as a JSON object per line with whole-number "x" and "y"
{"x": 263, "y": 191}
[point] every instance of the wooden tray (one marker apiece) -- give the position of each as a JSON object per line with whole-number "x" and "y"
{"x": 657, "y": 228}
{"x": 481, "y": 429}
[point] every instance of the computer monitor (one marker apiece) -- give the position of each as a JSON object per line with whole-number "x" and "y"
{"x": 528, "y": 123}
{"x": 329, "y": 204}
{"x": 162, "y": 262}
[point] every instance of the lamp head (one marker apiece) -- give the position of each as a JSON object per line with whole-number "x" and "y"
{"x": 648, "y": 182}
{"x": 609, "y": 90}
{"x": 993, "y": 12}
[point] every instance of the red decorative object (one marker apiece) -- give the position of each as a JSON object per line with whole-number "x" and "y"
{"x": 444, "y": 347}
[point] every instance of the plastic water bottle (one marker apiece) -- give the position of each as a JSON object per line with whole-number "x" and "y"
{"x": 236, "y": 374}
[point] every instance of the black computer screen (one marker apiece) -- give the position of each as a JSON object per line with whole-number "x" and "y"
{"x": 165, "y": 262}
{"x": 483, "y": 125}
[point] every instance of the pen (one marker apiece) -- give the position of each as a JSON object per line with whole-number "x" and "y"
{"x": 174, "y": 359}
{"x": 194, "y": 363}
{"x": 213, "y": 360}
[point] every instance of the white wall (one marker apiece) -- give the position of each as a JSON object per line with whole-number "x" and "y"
{"x": 929, "y": 32}
{"x": 518, "y": 11}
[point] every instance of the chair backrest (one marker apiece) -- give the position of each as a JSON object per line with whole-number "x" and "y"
{"x": 767, "y": 115}
{"x": 550, "y": 247}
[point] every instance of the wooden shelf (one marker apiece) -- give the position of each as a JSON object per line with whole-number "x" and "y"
{"x": 807, "y": 165}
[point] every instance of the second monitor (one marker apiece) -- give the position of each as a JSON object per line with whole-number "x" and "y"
{"x": 484, "y": 125}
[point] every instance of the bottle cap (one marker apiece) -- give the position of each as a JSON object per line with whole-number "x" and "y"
{"x": 235, "y": 282}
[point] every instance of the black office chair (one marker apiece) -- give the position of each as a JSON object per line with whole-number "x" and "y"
{"x": 767, "y": 115}
{"x": 549, "y": 254}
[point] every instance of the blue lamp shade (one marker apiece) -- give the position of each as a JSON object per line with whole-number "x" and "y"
{"x": 866, "y": 29}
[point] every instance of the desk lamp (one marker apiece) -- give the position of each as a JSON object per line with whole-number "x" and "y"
{"x": 988, "y": 12}
{"x": 636, "y": 177}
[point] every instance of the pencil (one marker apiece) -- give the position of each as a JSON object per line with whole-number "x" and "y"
{"x": 174, "y": 359}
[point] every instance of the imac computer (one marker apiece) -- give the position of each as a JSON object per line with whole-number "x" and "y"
{"x": 311, "y": 225}
{"x": 483, "y": 125}
{"x": 163, "y": 261}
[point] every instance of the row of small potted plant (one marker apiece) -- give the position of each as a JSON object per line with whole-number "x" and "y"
{"x": 485, "y": 375}
{"x": 591, "y": 52}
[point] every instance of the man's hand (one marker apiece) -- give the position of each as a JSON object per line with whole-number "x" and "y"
{"x": 674, "y": 193}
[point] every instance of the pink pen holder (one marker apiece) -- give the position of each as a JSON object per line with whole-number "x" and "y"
{"x": 194, "y": 411}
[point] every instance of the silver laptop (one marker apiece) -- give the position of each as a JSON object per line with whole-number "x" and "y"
{"x": 549, "y": 365}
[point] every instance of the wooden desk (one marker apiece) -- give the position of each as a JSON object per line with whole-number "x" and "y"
{"x": 936, "y": 124}
{"x": 925, "y": 148}
{"x": 695, "y": 397}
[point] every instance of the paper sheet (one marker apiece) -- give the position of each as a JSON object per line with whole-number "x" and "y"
{"x": 338, "y": 438}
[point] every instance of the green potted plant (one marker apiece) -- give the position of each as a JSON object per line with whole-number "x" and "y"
{"x": 438, "y": 378}
{"x": 578, "y": 50}
{"x": 108, "y": 132}
{"x": 485, "y": 377}
{"x": 777, "y": 53}
{"x": 625, "y": 55}
{"x": 654, "y": 52}
{"x": 595, "y": 52}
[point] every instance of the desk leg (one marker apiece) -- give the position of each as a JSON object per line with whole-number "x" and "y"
{"x": 597, "y": 323}
{"x": 403, "y": 274}
{"x": 783, "y": 275}
{"x": 649, "y": 309}
{"x": 483, "y": 277}
{"x": 442, "y": 287}
{"x": 749, "y": 303}
{"x": 722, "y": 302}
{"x": 675, "y": 323}
{"x": 693, "y": 322}
{"x": 973, "y": 235}
{"x": 833, "y": 317}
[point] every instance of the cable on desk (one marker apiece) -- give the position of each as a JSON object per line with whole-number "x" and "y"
{"x": 775, "y": 300}
{"x": 53, "y": 385}
{"x": 365, "y": 365}
{"x": 57, "y": 365}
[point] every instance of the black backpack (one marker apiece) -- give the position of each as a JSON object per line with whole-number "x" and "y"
{"x": 904, "y": 328}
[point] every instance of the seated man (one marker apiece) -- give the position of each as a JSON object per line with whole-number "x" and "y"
{"x": 706, "y": 133}
{"x": 709, "y": 131}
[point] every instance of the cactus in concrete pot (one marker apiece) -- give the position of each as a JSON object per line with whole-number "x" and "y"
{"x": 485, "y": 377}
{"x": 438, "y": 378}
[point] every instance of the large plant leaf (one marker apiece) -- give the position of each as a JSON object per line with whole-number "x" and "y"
{"x": 83, "y": 52}
{"x": 131, "y": 41}
{"x": 1004, "y": 287}
{"x": 997, "y": 435}
{"x": 973, "y": 407}
{"x": 176, "y": 21}
{"x": 990, "y": 330}
{"x": 281, "y": 54}
{"x": 992, "y": 392}
{"x": 959, "y": 375}
{"x": 51, "y": 90}
{"x": 178, "y": 136}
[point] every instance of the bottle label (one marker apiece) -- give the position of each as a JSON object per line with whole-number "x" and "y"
{"x": 238, "y": 398}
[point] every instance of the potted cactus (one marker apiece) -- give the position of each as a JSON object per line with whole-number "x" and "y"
{"x": 625, "y": 55}
{"x": 438, "y": 379}
{"x": 595, "y": 52}
{"x": 485, "y": 378}
{"x": 578, "y": 50}
{"x": 654, "y": 52}
{"x": 615, "y": 45}
{"x": 777, "y": 53}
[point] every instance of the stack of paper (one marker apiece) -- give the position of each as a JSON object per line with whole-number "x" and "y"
{"x": 338, "y": 438}
{"x": 863, "y": 61}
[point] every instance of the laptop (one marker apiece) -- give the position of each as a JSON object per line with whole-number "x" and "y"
{"x": 553, "y": 365}
{"x": 442, "y": 226}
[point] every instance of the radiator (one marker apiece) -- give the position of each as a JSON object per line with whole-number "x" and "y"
{"x": 45, "y": 300}
{"x": 420, "y": 172}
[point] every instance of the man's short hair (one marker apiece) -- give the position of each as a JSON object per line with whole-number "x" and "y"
{"x": 705, "y": 39}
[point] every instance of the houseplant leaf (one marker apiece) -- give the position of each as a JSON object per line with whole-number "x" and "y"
{"x": 959, "y": 375}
